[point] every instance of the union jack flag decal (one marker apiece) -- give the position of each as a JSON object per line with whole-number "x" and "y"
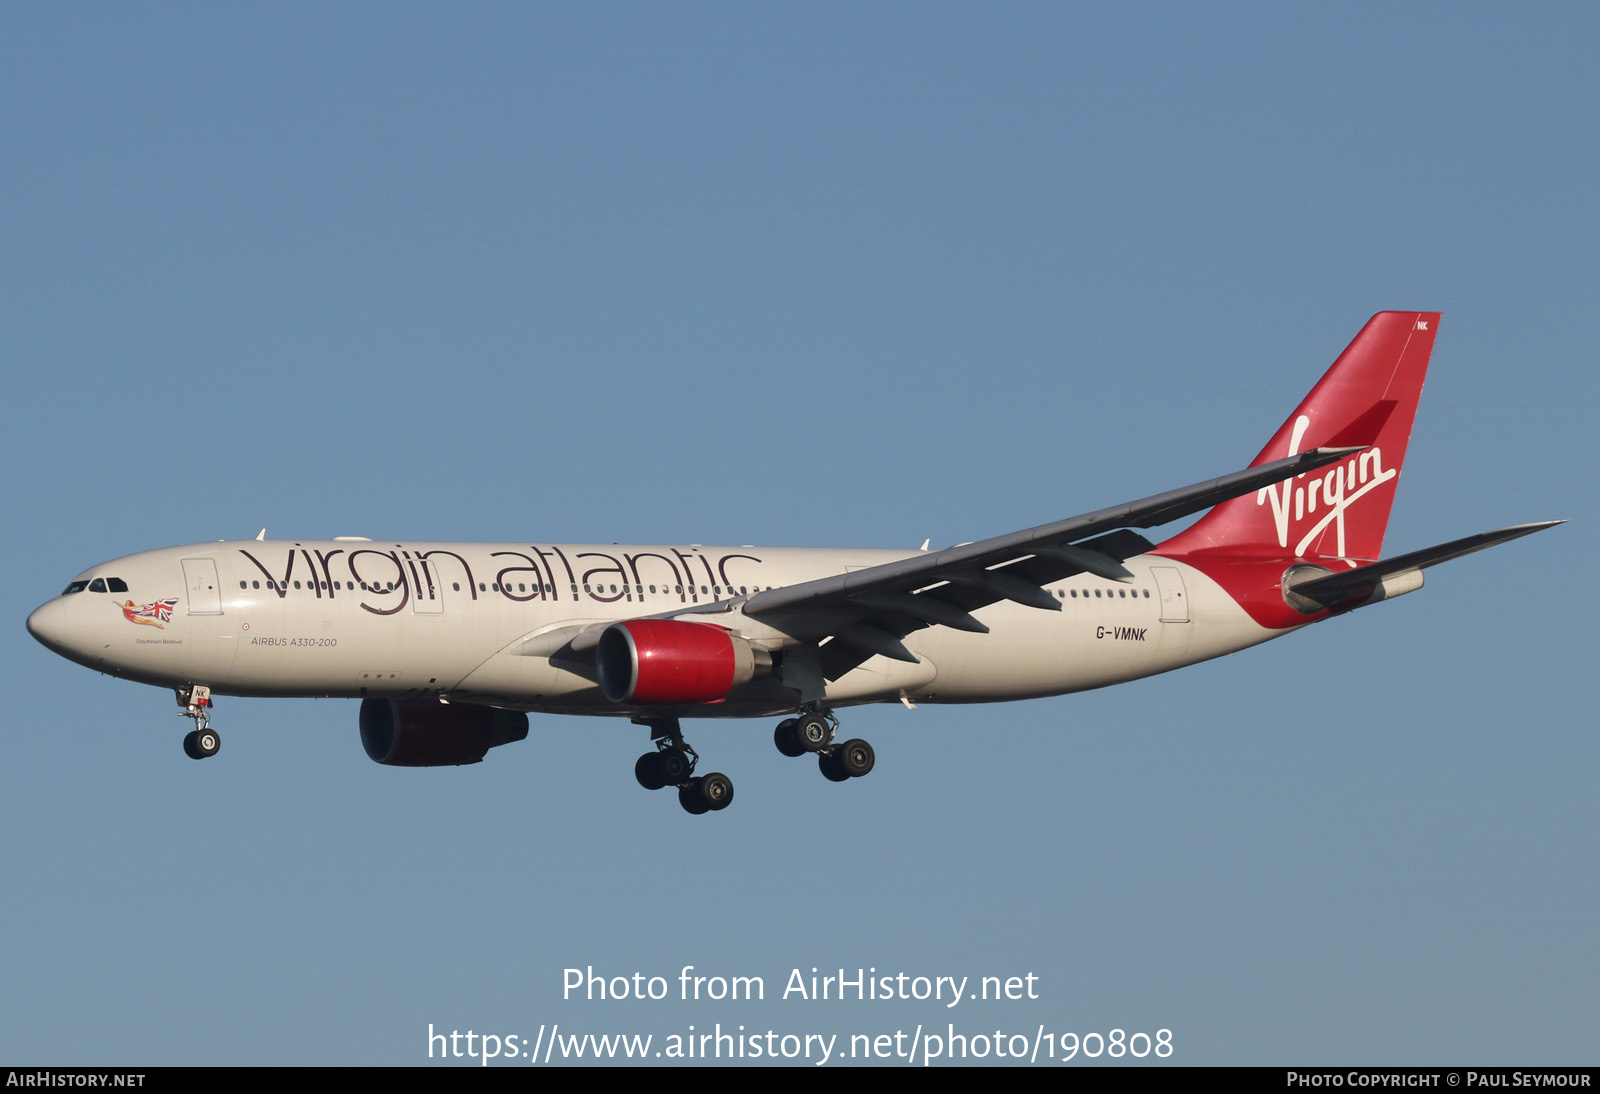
{"x": 157, "y": 613}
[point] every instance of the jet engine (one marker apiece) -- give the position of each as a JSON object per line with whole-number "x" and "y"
{"x": 668, "y": 661}
{"x": 429, "y": 733}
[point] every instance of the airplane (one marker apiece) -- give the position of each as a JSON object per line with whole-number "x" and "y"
{"x": 449, "y": 646}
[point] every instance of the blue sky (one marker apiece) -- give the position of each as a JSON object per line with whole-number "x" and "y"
{"x": 802, "y": 275}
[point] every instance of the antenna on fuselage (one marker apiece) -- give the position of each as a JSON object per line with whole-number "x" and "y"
{"x": 261, "y": 536}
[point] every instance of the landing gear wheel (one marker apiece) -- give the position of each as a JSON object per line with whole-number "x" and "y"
{"x": 813, "y": 732}
{"x": 692, "y": 799}
{"x": 650, "y": 771}
{"x": 856, "y": 757}
{"x": 716, "y": 789}
{"x": 200, "y": 744}
{"x": 787, "y": 740}
{"x": 832, "y": 767}
{"x": 676, "y": 767}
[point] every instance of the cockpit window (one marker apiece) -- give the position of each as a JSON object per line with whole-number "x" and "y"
{"x": 116, "y": 585}
{"x": 75, "y": 587}
{"x": 98, "y": 585}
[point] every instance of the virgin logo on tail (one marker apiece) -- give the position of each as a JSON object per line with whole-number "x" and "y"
{"x": 1322, "y": 497}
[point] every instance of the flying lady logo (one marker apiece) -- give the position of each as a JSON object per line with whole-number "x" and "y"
{"x": 1332, "y": 491}
{"x": 157, "y": 613}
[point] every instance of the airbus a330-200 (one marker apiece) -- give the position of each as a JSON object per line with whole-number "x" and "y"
{"x": 449, "y": 646}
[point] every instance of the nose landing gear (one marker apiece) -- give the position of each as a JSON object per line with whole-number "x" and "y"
{"x": 201, "y": 742}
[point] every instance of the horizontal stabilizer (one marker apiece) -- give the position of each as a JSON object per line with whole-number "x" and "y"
{"x": 1335, "y": 588}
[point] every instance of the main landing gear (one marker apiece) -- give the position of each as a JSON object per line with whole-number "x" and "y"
{"x": 201, "y": 742}
{"x": 673, "y": 763}
{"x": 814, "y": 731}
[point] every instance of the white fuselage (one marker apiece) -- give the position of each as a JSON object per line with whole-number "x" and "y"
{"x": 352, "y": 618}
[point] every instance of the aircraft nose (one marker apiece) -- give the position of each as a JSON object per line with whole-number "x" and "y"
{"x": 51, "y": 624}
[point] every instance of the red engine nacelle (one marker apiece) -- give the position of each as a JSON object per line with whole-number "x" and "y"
{"x": 428, "y": 733}
{"x": 666, "y": 661}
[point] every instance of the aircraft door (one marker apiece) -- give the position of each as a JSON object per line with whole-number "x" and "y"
{"x": 204, "y": 591}
{"x": 428, "y": 597}
{"x": 1174, "y": 602}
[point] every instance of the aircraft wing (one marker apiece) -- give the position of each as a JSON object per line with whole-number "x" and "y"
{"x": 868, "y": 611}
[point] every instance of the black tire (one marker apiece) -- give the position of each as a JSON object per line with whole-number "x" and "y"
{"x": 716, "y": 789}
{"x": 191, "y": 745}
{"x": 787, "y": 740}
{"x": 831, "y": 767}
{"x": 675, "y": 767}
{"x": 855, "y": 757}
{"x": 692, "y": 800}
{"x": 208, "y": 742}
{"x": 813, "y": 732}
{"x": 649, "y": 771}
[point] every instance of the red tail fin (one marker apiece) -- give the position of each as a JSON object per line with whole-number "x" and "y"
{"x": 1369, "y": 397}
